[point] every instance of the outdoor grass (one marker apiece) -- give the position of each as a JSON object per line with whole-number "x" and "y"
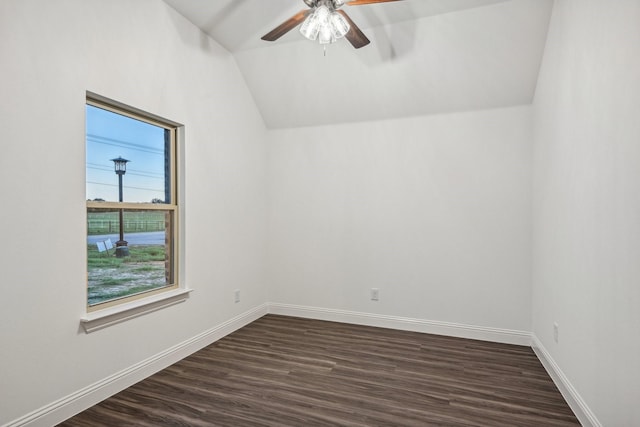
{"x": 144, "y": 269}
{"x": 112, "y": 282}
{"x": 110, "y": 277}
{"x": 137, "y": 254}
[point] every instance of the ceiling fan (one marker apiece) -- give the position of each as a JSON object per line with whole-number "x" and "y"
{"x": 326, "y": 22}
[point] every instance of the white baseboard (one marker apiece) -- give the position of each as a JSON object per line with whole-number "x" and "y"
{"x": 505, "y": 336}
{"x": 74, "y": 403}
{"x": 584, "y": 414}
{"x": 80, "y": 400}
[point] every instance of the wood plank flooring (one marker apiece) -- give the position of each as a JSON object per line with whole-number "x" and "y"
{"x": 286, "y": 371}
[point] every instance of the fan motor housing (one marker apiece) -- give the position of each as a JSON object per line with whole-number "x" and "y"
{"x": 335, "y": 4}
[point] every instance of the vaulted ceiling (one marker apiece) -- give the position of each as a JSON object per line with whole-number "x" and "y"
{"x": 425, "y": 57}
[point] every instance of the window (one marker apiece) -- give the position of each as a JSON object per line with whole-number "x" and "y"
{"x": 131, "y": 204}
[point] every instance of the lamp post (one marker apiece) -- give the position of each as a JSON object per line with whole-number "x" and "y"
{"x": 120, "y": 165}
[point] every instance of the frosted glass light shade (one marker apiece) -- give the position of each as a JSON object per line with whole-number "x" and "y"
{"x": 326, "y": 35}
{"x": 310, "y": 27}
{"x": 325, "y": 25}
{"x": 322, "y": 14}
{"x": 339, "y": 26}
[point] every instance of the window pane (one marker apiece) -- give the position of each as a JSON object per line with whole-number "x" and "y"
{"x": 148, "y": 266}
{"x": 144, "y": 146}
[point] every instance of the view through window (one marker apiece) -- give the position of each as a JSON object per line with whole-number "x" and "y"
{"x": 131, "y": 205}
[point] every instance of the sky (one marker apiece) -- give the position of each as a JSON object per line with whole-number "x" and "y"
{"x": 110, "y": 135}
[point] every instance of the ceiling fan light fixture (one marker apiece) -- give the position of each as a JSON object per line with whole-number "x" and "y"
{"x": 325, "y": 16}
{"x": 316, "y": 22}
{"x": 325, "y": 25}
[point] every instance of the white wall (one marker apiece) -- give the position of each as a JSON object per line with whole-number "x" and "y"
{"x": 586, "y": 268}
{"x": 435, "y": 211}
{"x": 143, "y": 54}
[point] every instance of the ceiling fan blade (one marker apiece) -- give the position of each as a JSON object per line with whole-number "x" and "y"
{"x": 360, "y": 2}
{"x": 355, "y": 36}
{"x": 286, "y": 26}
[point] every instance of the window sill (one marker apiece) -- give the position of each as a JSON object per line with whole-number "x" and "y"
{"x": 110, "y": 316}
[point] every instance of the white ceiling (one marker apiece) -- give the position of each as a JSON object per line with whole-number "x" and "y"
{"x": 425, "y": 57}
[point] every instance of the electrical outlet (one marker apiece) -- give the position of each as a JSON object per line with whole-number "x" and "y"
{"x": 236, "y": 295}
{"x": 555, "y": 331}
{"x": 375, "y": 294}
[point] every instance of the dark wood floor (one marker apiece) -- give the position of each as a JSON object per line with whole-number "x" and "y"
{"x": 284, "y": 371}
